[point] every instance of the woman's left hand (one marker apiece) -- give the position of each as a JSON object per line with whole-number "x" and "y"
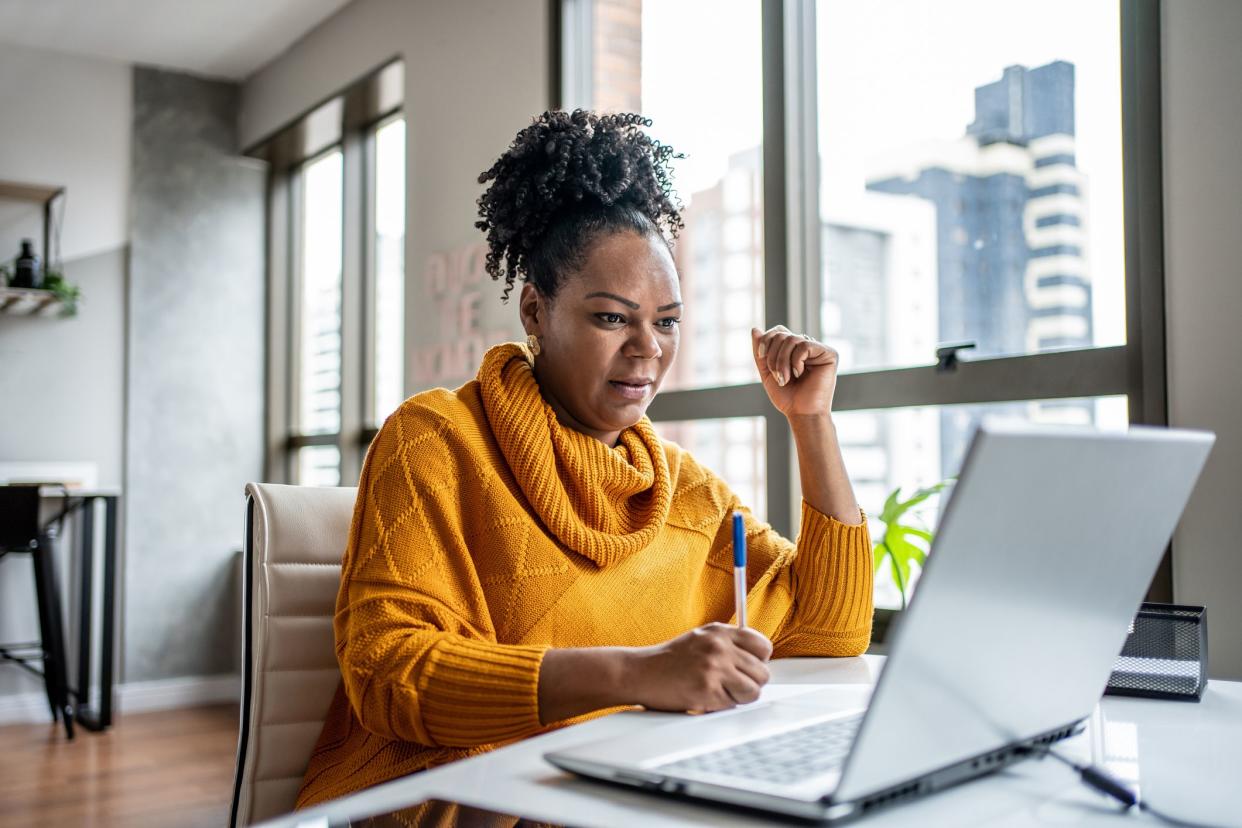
{"x": 799, "y": 374}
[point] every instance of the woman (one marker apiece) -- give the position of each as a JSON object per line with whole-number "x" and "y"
{"x": 526, "y": 550}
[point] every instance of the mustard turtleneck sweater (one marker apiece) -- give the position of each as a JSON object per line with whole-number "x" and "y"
{"x": 485, "y": 533}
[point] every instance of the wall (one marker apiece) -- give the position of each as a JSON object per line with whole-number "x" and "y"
{"x": 196, "y": 385}
{"x": 1202, "y": 66}
{"x": 67, "y": 122}
{"x": 476, "y": 72}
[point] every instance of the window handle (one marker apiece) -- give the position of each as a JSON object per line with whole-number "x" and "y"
{"x": 946, "y": 355}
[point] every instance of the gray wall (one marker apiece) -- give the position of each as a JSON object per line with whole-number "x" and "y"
{"x": 1202, "y": 66}
{"x": 195, "y": 389}
{"x": 476, "y": 71}
{"x": 67, "y": 123}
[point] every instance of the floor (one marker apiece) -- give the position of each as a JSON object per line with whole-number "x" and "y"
{"x": 166, "y": 768}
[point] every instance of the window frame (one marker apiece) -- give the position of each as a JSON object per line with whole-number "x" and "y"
{"x": 792, "y": 270}
{"x": 347, "y": 120}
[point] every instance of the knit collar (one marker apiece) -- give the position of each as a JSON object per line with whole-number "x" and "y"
{"x": 603, "y": 503}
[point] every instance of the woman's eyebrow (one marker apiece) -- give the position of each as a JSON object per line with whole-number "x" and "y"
{"x": 621, "y": 299}
{"x": 627, "y": 302}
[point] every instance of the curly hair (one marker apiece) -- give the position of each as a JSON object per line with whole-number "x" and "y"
{"x": 565, "y": 179}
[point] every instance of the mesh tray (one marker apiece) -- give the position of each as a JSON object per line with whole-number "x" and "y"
{"x": 1165, "y": 654}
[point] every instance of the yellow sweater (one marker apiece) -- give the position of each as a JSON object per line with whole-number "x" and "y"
{"x": 485, "y": 532}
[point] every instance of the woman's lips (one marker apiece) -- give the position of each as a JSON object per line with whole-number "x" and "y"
{"x": 630, "y": 391}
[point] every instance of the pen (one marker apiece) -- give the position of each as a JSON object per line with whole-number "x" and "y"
{"x": 739, "y": 567}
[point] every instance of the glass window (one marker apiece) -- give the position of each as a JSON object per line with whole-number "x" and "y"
{"x": 319, "y": 466}
{"x": 319, "y": 330}
{"x": 920, "y": 446}
{"x": 701, "y": 84}
{"x": 970, "y": 168}
{"x": 389, "y": 258}
{"x": 734, "y": 448}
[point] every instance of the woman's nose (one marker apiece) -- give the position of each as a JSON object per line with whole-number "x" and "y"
{"x": 643, "y": 344}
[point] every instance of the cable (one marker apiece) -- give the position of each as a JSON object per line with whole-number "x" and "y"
{"x": 1110, "y": 786}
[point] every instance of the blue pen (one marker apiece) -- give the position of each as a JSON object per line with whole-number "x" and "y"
{"x": 739, "y": 567}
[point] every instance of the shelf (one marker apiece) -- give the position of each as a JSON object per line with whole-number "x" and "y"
{"x": 28, "y": 302}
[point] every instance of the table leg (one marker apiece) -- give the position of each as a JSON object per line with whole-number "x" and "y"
{"x": 86, "y": 521}
{"x": 103, "y": 719}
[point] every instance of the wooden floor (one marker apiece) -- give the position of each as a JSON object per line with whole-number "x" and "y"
{"x": 170, "y": 768}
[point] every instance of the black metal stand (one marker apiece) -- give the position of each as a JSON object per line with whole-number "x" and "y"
{"x": 100, "y": 719}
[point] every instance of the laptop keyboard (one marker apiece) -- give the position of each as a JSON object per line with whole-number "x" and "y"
{"x": 788, "y": 757}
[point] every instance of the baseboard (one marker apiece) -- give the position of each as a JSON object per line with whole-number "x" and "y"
{"x": 133, "y": 697}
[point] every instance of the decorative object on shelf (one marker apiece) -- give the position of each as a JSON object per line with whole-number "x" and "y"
{"x": 28, "y": 286}
{"x": 902, "y": 543}
{"x": 27, "y": 272}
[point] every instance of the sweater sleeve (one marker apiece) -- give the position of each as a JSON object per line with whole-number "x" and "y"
{"x": 418, "y": 655}
{"x": 815, "y": 597}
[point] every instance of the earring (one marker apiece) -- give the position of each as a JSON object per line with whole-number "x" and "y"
{"x": 532, "y": 342}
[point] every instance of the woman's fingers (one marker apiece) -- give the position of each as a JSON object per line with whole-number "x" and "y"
{"x": 786, "y": 355}
{"x": 739, "y": 687}
{"x": 754, "y": 669}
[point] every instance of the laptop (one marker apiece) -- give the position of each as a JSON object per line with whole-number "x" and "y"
{"x": 1046, "y": 547}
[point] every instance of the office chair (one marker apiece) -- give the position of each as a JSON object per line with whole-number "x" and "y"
{"x": 20, "y": 532}
{"x": 295, "y": 538}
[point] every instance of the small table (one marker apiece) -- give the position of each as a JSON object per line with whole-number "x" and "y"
{"x": 83, "y": 503}
{"x": 1185, "y": 756}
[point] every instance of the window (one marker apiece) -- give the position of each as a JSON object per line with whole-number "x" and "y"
{"x": 336, "y": 281}
{"x": 979, "y": 198}
{"x": 924, "y": 175}
{"x": 388, "y": 254}
{"x": 648, "y": 53}
{"x": 319, "y": 322}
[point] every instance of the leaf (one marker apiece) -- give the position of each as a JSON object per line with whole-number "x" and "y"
{"x": 903, "y": 552}
{"x": 922, "y": 494}
{"x": 897, "y": 579}
{"x": 887, "y": 515}
{"x": 903, "y": 548}
{"x": 879, "y": 553}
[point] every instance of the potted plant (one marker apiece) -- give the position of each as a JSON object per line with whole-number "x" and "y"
{"x": 904, "y": 542}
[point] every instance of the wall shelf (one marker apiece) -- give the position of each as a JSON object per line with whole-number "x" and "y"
{"x": 28, "y": 302}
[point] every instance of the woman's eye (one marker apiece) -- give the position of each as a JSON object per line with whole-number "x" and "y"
{"x": 670, "y": 322}
{"x": 611, "y": 318}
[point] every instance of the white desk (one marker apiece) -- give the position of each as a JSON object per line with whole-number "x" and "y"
{"x": 1185, "y": 757}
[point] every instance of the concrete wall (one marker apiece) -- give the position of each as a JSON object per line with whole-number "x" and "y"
{"x": 1202, "y": 67}
{"x": 195, "y": 388}
{"x": 67, "y": 123}
{"x": 476, "y": 72}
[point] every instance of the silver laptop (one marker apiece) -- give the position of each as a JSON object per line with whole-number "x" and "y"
{"x": 1044, "y": 552}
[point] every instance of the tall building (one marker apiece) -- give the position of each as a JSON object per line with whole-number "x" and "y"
{"x": 1010, "y": 210}
{"x": 1010, "y": 206}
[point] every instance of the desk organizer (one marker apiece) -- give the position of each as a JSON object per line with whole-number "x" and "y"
{"x": 1165, "y": 654}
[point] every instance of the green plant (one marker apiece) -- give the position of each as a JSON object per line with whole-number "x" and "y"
{"x": 904, "y": 543}
{"x": 68, "y": 294}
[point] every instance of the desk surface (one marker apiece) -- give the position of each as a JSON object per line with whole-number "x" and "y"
{"x": 1186, "y": 759}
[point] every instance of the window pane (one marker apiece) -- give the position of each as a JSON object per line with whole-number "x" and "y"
{"x": 920, "y": 446}
{"x": 319, "y": 351}
{"x": 733, "y": 448}
{"x": 701, "y": 86}
{"x": 319, "y": 466}
{"x": 389, "y": 251}
{"x": 970, "y": 177}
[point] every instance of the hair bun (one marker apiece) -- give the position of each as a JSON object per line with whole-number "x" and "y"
{"x": 588, "y": 161}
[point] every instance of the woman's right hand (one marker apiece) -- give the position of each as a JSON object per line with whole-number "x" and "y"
{"x": 713, "y": 667}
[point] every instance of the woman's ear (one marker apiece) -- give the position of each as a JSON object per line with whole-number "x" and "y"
{"x": 530, "y": 309}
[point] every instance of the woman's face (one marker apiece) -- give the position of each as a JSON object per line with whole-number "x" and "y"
{"x": 609, "y": 335}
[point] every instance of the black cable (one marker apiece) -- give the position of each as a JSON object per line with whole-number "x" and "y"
{"x": 1107, "y": 784}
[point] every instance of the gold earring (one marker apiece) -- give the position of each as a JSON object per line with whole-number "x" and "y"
{"x": 532, "y": 342}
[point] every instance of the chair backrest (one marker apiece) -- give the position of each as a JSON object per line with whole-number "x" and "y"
{"x": 295, "y": 538}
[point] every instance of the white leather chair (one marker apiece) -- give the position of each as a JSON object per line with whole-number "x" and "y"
{"x": 295, "y": 538}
